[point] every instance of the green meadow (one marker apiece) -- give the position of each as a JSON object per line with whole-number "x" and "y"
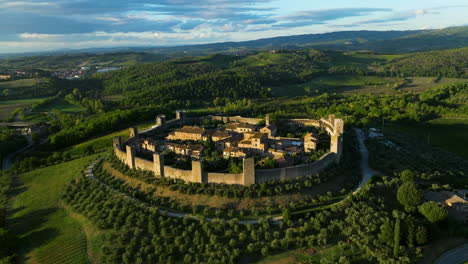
{"x": 46, "y": 233}
{"x": 446, "y": 133}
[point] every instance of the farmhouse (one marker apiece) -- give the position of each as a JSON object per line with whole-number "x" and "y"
{"x": 458, "y": 207}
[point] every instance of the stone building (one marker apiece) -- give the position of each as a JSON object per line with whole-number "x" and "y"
{"x": 241, "y": 127}
{"x": 234, "y": 152}
{"x": 270, "y": 130}
{"x": 457, "y": 206}
{"x": 185, "y": 149}
{"x": 310, "y": 142}
{"x": 148, "y": 144}
{"x": 256, "y": 141}
{"x": 189, "y": 133}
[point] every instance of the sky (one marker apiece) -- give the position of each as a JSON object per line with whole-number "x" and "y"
{"x": 42, "y": 25}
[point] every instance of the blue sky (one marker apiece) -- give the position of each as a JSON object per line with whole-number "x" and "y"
{"x": 39, "y": 25}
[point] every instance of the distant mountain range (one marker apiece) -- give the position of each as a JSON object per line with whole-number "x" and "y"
{"x": 376, "y": 41}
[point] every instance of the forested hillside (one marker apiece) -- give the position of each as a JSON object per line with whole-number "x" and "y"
{"x": 448, "y": 63}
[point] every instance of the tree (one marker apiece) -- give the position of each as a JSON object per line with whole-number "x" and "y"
{"x": 286, "y": 214}
{"x": 396, "y": 245}
{"x": 409, "y": 196}
{"x": 386, "y": 232}
{"x": 433, "y": 212}
{"x": 421, "y": 235}
{"x": 407, "y": 176}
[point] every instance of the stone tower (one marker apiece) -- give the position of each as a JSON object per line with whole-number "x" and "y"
{"x": 180, "y": 115}
{"x": 249, "y": 172}
{"x": 133, "y": 132}
{"x": 158, "y": 163}
{"x": 336, "y": 143}
{"x": 160, "y": 120}
{"x": 117, "y": 141}
{"x": 130, "y": 157}
{"x": 197, "y": 171}
{"x": 267, "y": 120}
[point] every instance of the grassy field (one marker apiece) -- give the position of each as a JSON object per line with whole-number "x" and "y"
{"x": 102, "y": 143}
{"x": 62, "y": 105}
{"x": 354, "y": 84}
{"x": 446, "y": 133}
{"x": 19, "y": 83}
{"x": 331, "y": 84}
{"x": 265, "y": 58}
{"x": 9, "y": 106}
{"x": 46, "y": 233}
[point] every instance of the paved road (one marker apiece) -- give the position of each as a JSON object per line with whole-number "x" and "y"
{"x": 8, "y": 159}
{"x": 455, "y": 256}
{"x": 367, "y": 173}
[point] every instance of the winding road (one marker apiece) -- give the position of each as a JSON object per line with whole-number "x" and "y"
{"x": 8, "y": 159}
{"x": 366, "y": 171}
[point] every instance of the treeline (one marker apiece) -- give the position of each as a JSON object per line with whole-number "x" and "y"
{"x": 445, "y": 63}
{"x": 199, "y": 80}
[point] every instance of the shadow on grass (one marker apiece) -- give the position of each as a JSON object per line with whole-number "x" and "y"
{"x": 27, "y": 227}
{"x": 33, "y": 240}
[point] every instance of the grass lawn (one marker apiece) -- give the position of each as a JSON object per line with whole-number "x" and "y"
{"x": 46, "y": 233}
{"x": 446, "y": 133}
{"x": 9, "y": 106}
{"x": 19, "y": 83}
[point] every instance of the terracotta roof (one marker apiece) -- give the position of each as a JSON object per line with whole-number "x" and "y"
{"x": 270, "y": 127}
{"x": 191, "y": 130}
{"x": 231, "y": 149}
{"x": 444, "y": 197}
{"x": 258, "y": 135}
{"x": 181, "y": 146}
{"x": 221, "y": 134}
{"x": 240, "y": 125}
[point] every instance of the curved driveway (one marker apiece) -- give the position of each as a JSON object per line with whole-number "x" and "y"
{"x": 367, "y": 173}
{"x": 455, "y": 256}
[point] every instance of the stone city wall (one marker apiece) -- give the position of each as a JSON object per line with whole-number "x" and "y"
{"x": 293, "y": 172}
{"x": 249, "y": 175}
{"x": 143, "y": 164}
{"x": 174, "y": 173}
{"x": 226, "y": 178}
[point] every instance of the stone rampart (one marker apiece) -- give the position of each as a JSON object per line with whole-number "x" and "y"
{"x": 293, "y": 172}
{"x": 174, "y": 173}
{"x": 225, "y": 178}
{"x": 144, "y": 164}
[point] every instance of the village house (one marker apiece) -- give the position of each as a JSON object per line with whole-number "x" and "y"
{"x": 310, "y": 142}
{"x": 458, "y": 207}
{"x": 148, "y": 144}
{"x": 270, "y": 130}
{"x": 185, "y": 149}
{"x": 234, "y": 152}
{"x": 189, "y": 133}
{"x": 254, "y": 140}
{"x": 241, "y": 127}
